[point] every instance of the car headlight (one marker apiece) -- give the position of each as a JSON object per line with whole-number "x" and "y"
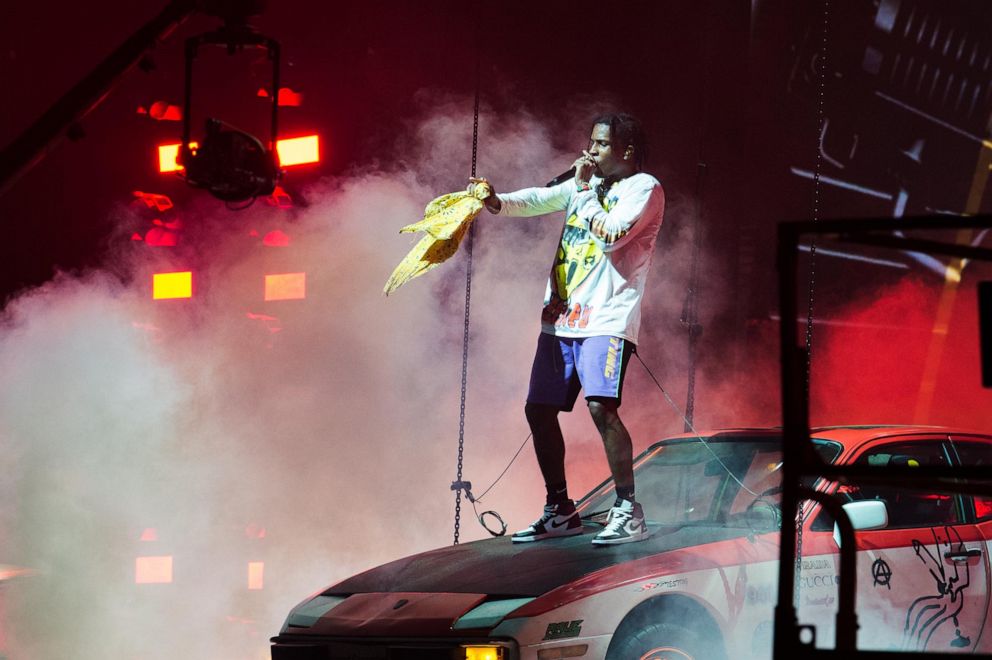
{"x": 480, "y": 652}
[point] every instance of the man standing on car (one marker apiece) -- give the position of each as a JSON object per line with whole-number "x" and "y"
{"x": 592, "y": 312}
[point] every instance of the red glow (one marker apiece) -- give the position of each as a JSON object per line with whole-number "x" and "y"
{"x": 276, "y": 238}
{"x": 160, "y": 203}
{"x": 271, "y": 323}
{"x": 153, "y": 570}
{"x": 136, "y": 237}
{"x": 159, "y": 237}
{"x": 149, "y": 534}
{"x": 298, "y": 151}
{"x": 280, "y": 198}
{"x": 286, "y": 96}
{"x": 286, "y": 286}
{"x": 872, "y": 370}
{"x": 166, "y": 286}
{"x": 163, "y": 111}
{"x": 254, "y": 530}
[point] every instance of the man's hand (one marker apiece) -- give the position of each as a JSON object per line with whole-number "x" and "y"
{"x": 492, "y": 201}
{"x": 584, "y": 166}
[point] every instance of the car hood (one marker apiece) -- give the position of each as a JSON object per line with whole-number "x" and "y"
{"x": 500, "y": 567}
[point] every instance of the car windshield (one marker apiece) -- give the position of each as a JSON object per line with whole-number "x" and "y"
{"x": 722, "y": 481}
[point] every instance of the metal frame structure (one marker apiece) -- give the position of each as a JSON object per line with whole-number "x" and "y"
{"x": 799, "y": 459}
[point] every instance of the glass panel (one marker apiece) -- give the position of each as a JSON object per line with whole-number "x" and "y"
{"x": 908, "y": 507}
{"x": 689, "y": 482}
{"x": 976, "y": 454}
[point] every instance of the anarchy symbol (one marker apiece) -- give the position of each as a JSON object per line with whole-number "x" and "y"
{"x": 881, "y": 573}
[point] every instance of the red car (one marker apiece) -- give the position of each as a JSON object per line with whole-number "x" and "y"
{"x": 704, "y": 584}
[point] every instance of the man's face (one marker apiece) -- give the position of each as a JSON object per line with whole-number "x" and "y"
{"x": 608, "y": 156}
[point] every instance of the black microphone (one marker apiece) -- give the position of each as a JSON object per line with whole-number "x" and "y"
{"x": 561, "y": 178}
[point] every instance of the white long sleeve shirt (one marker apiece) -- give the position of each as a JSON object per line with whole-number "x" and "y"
{"x": 603, "y": 258}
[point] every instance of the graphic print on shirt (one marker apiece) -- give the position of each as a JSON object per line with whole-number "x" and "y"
{"x": 577, "y": 255}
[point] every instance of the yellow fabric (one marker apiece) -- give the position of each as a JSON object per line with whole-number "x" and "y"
{"x": 446, "y": 221}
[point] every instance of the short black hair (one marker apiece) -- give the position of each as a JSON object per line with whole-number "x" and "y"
{"x": 626, "y": 131}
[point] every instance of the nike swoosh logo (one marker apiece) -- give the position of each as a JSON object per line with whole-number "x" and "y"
{"x": 557, "y": 525}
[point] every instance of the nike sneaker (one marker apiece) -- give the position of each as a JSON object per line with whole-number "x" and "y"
{"x": 624, "y": 525}
{"x": 558, "y": 520}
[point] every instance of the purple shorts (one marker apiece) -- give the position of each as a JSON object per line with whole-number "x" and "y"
{"x": 564, "y": 365}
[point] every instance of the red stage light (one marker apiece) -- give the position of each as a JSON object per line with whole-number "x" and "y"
{"x": 286, "y": 96}
{"x": 292, "y": 151}
{"x": 160, "y": 203}
{"x": 153, "y": 570}
{"x": 298, "y": 151}
{"x": 276, "y": 238}
{"x": 159, "y": 237}
{"x": 286, "y": 286}
{"x": 166, "y": 286}
{"x": 280, "y": 198}
{"x": 256, "y": 575}
{"x": 163, "y": 111}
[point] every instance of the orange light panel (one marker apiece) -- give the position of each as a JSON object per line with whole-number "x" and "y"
{"x": 298, "y": 151}
{"x": 286, "y": 286}
{"x": 256, "y": 575}
{"x": 166, "y": 286}
{"x": 153, "y": 570}
{"x": 168, "y": 155}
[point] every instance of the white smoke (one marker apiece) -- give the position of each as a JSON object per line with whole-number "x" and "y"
{"x": 332, "y": 424}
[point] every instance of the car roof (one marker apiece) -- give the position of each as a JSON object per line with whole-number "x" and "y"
{"x": 847, "y": 435}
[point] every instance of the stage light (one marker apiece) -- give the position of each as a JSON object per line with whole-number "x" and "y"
{"x": 159, "y": 237}
{"x": 232, "y": 165}
{"x": 167, "y": 286}
{"x": 298, "y": 151}
{"x": 256, "y": 575}
{"x": 168, "y": 155}
{"x": 153, "y": 570}
{"x": 286, "y": 96}
{"x": 160, "y": 203}
{"x": 286, "y": 286}
{"x": 291, "y": 151}
{"x": 163, "y": 111}
{"x": 276, "y": 238}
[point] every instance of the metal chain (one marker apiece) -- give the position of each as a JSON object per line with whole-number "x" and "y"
{"x": 800, "y": 518}
{"x": 468, "y": 302}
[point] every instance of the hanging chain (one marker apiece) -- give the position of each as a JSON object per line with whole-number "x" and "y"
{"x": 458, "y": 484}
{"x": 800, "y": 518}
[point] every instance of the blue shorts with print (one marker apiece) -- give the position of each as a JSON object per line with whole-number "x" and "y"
{"x": 564, "y": 365}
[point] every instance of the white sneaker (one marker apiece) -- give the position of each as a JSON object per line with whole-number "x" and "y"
{"x": 624, "y": 525}
{"x": 558, "y": 520}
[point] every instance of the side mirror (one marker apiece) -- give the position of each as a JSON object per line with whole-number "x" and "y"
{"x": 866, "y": 514}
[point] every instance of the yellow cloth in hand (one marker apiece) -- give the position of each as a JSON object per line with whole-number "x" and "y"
{"x": 446, "y": 221}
